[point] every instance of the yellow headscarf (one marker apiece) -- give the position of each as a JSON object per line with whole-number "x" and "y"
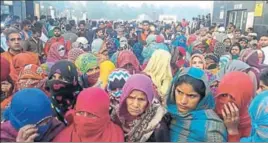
{"x": 159, "y": 69}
{"x": 106, "y": 68}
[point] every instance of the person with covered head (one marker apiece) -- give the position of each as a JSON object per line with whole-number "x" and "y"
{"x": 21, "y": 60}
{"x": 139, "y": 113}
{"x": 89, "y": 70}
{"x": 191, "y": 106}
{"x": 29, "y": 118}
{"x": 63, "y": 86}
{"x": 74, "y": 53}
{"x": 127, "y": 60}
{"x": 263, "y": 81}
{"x": 235, "y": 51}
{"x": 159, "y": 70}
{"x": 259, "y": 119}
{"x": 92, "y": 121}
{"x": 243, "y": 41}
{"x": 116, "y": 81}
{"x": 231, "y": 102}
{"x": 106, "y": 67}
{"x": 57, "y": 52}
{"x": 7, "y": 84}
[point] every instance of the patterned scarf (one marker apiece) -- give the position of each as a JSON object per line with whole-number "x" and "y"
{"x": 86, "y": 62}
{"x": 74, "y": 53}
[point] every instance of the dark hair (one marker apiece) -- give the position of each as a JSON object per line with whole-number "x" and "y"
{"x": 99, "y": 29}
{"x": 264, "y": 77}
{"x": 11, "y": 31}
{"x": 145, "y": 21}
{"x": 82, "y": 22}
{"x": 38, "y": 25}
{"x": 236, "y": 44}
{"x": 56, "y": 28}
{"x": 42, "y": 17}
{"x": 238, "y": 30}
{"x": 227, "y": 39}
{"x": 198, "y": 85}
{"x": 36, "y": 29}
{"x": 25, "y": 22}
{"x": 68, "y": 27}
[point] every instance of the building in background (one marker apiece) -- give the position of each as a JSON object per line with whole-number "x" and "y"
{"x": 242, "y": 14}
{"x": 21, "y": 8}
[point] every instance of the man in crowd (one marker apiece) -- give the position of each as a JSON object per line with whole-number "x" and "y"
{"x": 243, "y": 41}
{"x": 57, "y": 38}
{"x": 83, "y": 32}
{"x": 14, "y": 45}
{"x": 145, "y": 30}
{"x": 69, "y": 35}
{"x": 26, "y": 32}
{"x": 34, "y": 44}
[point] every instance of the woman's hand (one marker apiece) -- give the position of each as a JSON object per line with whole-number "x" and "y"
{"x": 27, "y": 134}
{"x": 231, "y": 118}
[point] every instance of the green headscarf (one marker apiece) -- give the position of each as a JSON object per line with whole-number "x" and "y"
{"x": 86, "y": 62}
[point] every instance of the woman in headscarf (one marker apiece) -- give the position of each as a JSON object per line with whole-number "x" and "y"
{"x": 116, "y": 81}
{"x": 191, "y": 105}
{"x": 57, "y": 52}
{"x": 127, "y": 60}
{"x": 235, "y": 50}
{"x": 232, "y": 103}
{"x": 150, "y": 47}
{"x": 260, "y": 56}
{"x": 159, "y": 70}
{"x": 220, "y": 49}
{"x": 212, "y": 63}
{"x": 31, "y": 76}
{"x": 20, "y": 60}
{"x": 224, "y": 60}
{"x": 96, "y": 45}
{"x": 160, "y": 43}
{"x": 111, "y": 46}
{"x": 259, "y": 119}
{"x": 74, "y": 53}
{"x": 198, "y": 61}
{"x": 106, "y": 68}
{"x": 92, "y": 121}
{"x": 178, "y": 59}
{"x": 137, "y": 50}
{"x": 139, "y": 114}
{"x": 180, "y": 41}
{"x": 29, "y": 118}
{"x": 63, "y": 86}
{"x": 200, "y": 45}
{"x": 7, "y": 85}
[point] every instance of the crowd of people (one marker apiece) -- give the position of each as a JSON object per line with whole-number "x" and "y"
{"x": 116, "y": 81}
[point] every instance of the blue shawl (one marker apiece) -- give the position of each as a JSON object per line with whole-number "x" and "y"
{"x": 180, "y": 41}
{"x": 200, "y": 125}
{"x": 258, "y": 111}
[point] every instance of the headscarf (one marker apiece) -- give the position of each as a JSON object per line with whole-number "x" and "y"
{"x": 99, "y": 128}
{"x": 5, "y": 69}
{"x": 128, "y": 57}
{"x": 151, "y": 39}
{"x": 113, "y": 48}
{"x": 20, "y": 60}
{"x": 242, "y": 98}
{"x": 86, "y": 62}
{"x": 31, "y": 76}
{"x": 74, "y": 53}
{"x": 213, "y": 68}
{"x": 224, "y": 60}
{"x": 259, "y": 119}
{"x": 234, "y": 65}
{"x": 183, "y": 127}
{"x": 54, "y": 55}
{"x": 250, "y": 57}
{"x": 63, "y": 93}
{"x": 29, "y": 106}
{"x": 96, "y": 45}
{"x": 191, "y": 39}
{"x": 106, "y": 68}
{"x": 137, "y": 50}
{"x": 201, "y": 57}
{"x": 220, "y": 49}
{"x": 180, "y": 41}
{"x": 116, "y": 81}
{"x": 159, "y": 69}
{"x": 140, "y": 129}
{"x": 149, "y": 49}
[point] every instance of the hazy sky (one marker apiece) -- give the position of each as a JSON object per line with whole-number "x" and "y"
{"x": 201, "y": 4}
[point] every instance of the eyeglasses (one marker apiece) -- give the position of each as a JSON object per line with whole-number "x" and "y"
{"x": 14, "y": 39}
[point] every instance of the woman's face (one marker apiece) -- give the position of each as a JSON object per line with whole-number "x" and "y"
{"x": 221, "y": 100}
{"x": 235, "y": 50}
{"x": 57, "y": 76}
{"x": 198, "y": 63}
{"x": 260, "y": 56}
{"x": 209, "y": 62}
{"x": 136, "y": 103}
{"x": 186, "y": 98}
{"x": 5, "y": 86}
{"x": 61, "y": 50}
{"x": 129, "y": 67}
{"x": 227, "y": 42}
